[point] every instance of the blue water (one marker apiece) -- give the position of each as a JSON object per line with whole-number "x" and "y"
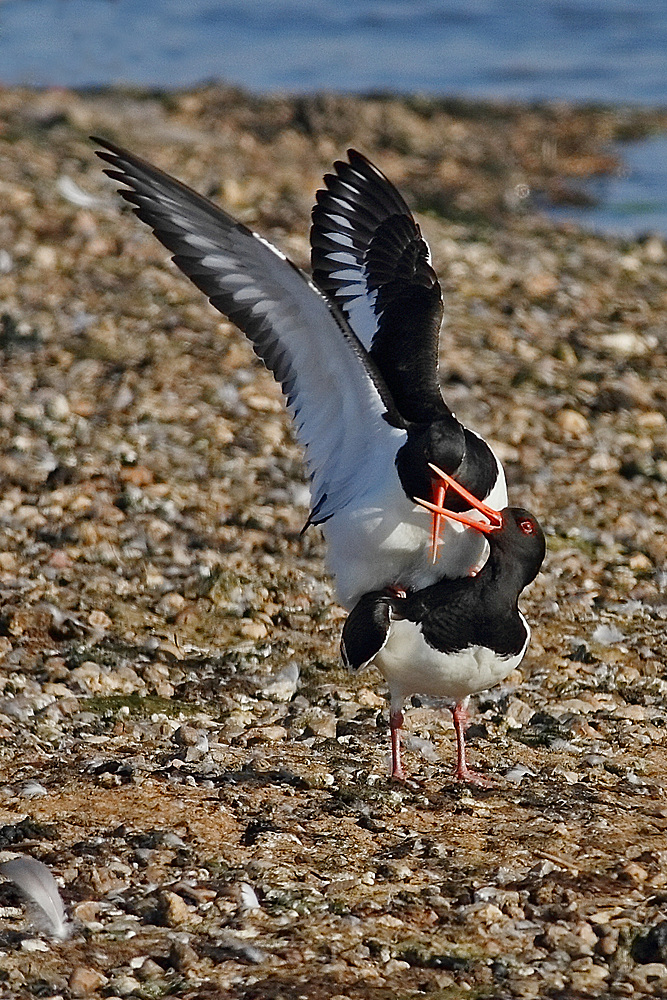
{"x": 612, "y": 51}
{"x": 632, "y": 203}
{"x": 583, "y": 50}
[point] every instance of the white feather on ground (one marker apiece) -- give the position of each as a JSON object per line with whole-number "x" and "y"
{"x": 36, "y": 883}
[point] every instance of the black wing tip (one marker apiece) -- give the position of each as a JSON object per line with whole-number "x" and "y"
{"x": 366, "y": 628}
{"x": 108, "y": 158}
{"x": 360, "y": 160}
{"x": 120, "y": 166}
{"x": 120, "y": 159}
{"x": 109, "y": 148}
{"x": 323, "y": 195}
{"x": 354, "y": 154}
{"x": 354, "y": 158}
{"x": 115, "y": 175}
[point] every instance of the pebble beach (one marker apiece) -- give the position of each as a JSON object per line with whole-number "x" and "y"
{"x": 179, "y": 741}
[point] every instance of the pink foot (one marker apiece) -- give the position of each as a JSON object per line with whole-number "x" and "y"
{"x": 470, "y": 777}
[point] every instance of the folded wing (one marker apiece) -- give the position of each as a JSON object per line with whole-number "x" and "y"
{"x": 333, "y": 390}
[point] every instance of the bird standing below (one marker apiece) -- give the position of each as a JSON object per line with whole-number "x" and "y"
{"x": 457, "y": 637}
{"x": 367, "y": 455}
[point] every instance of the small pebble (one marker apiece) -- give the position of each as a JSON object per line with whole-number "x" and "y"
{"x": 283, "y": 686}
{"x": 320, "y": 722}
{"x": 170, "y": 604}
{"x": 148, "y": 970}
{"x": 85, "y": 981}
{"x": 125, "y": 986}
{"x": 517, "y": 773}
{"x": 519, "y": 712}
{"x": 572, "y": 423}
{"x": 34, "y": 944}
{"x": 270, "y": 734}
{"x": 99, "y": 619}
{"x": 175, "y": 911}
{"x": 57, "y": 407}
{"x": 252, "y": 629}
{"x": 182, "y": 956}
{"x": 188, "y": 736}
{"x": 171, "y": 839}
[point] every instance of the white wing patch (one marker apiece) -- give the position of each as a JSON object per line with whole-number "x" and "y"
{"x": 341, "y": 239}
{"x": 330, "y": 391}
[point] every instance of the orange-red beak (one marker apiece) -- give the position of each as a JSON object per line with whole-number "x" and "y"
{"x": 494, "y": 517}
{"x": 439, "y": 492}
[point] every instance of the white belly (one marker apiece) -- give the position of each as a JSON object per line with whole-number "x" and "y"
{"x": 411, "y": 666}
{"x": 384, "y": 539}
{"x": 373, "y": 548}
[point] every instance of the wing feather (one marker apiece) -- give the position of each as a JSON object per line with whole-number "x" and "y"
{"x": 370, "y": 258}
{"x": 36, "y": 883}
{"x": 342, "y": 410}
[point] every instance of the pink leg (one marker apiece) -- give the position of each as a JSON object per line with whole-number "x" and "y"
{"x": 463, "y": 772}
{"x": 395, "y": 723}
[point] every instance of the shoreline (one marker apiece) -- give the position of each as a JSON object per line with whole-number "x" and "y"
{"x": 555, "y": 145}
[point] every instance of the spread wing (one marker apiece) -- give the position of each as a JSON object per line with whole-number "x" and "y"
{"x": 336, "y": 397}
{"x": 370, "y": 258}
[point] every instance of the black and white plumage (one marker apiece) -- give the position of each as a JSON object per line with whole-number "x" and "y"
{"x": 367, "y": 462}
{"x": 369, "y": 256}
{"x": 455, "y": 638}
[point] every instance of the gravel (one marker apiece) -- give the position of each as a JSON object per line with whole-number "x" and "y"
{"x": 178, "y": 740}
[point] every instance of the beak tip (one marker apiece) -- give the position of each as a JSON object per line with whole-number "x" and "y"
{"x": 493, "y": 516}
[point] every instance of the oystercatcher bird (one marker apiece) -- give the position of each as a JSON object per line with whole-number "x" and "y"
{"x": 366, "y": 458}
{"x": 369, "y": 257}
{"x": 458, "y": 636}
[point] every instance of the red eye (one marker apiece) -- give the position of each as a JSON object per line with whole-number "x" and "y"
{"x": 527, "y": 527}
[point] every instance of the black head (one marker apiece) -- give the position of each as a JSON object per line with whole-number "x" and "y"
{"x": 519, "y": 542}
{"x": 444, "y": 441}
{"x": 515, "y": 537}
{"x": 440, "y": 442}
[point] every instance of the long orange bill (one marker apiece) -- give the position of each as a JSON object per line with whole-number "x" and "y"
{"x": 493, "y": 516}
{"x": 439, "y": 499}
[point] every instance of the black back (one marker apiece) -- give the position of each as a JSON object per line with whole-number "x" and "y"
{"x": 366, "y": 245}
{"x": 483, "y": 610}
{"x": 456, "y": 614}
